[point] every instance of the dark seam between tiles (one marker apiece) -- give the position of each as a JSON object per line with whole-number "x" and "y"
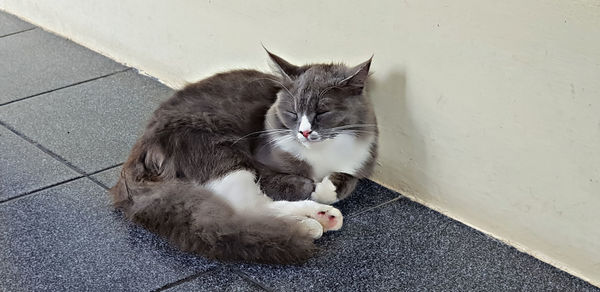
{"x": 184, "y": 280}
{"x": 104, "y": 169}
{"x": 17, "y": 32}
{"x": 374, "y": 207}
{"x": 53, "y": 155}
{"x": 102, "y": 185}
{"x": 44, "y": 149}
{"x": 252, "y": 281}
{"x": 66, "y": 86}
{"x": 40, "y": 189}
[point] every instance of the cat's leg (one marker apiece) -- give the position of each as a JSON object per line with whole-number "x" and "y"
{"x": 290, "y": 187}
{"x": 334, "y": 187}
{"x": 328, "y": 216}
{"x": 239, "y": 189}
{"x": 312, "y": 226}
{"x": 344, "y": 184}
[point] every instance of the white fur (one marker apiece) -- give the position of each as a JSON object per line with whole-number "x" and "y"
{"x": 325, "y": 192}
{"x": 311, "y": 209}
{"x": 344, "y": 153}
{"x": 302, "y": 139}
{"x": 304, "y": 124}
{"x": 298, "y": 208}
{"x": 313, "y": 227}
{"x": 239, "y": 190}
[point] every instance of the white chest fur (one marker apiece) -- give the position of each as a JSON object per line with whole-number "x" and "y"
{"x": 344, "y": 153}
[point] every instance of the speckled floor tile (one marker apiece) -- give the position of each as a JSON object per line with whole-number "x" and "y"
{"x": 108, "y": 177}
{"x": 468, "y": 260}
{"x": 10, "y": 24}
{"x": 68, "y": 238}
{"x": 25, "y": 168}
{"x": 375, "y": 250}
{"x": 403, "y": 246}
{"x": 92, "y": 125}
{"x": 367, "y": 194}
{"x": 218, "y": 279}
{"x": 36, "y": 61}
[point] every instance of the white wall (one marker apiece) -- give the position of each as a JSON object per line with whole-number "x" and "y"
{"x": 490, "y": 110}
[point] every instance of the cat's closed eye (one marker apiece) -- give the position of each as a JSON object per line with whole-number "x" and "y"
{"x": 291, "y": 114}
{"x": 322, "y": 113}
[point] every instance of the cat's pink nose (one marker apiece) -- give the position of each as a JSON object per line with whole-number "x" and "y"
{"x": 306, "y": 133}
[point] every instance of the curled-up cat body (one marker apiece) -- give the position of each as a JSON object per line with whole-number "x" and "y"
{"x": 199, "y": 175}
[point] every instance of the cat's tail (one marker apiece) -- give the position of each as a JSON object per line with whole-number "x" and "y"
{"x": 193, "y": 219}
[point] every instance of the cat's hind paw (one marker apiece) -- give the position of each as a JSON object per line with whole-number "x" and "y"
{"x": 331, "y": 218}
{"x": 313, "y": 227}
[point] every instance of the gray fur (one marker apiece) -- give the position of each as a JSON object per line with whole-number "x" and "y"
{"x": 332, "y": 95}
{"x": 211, "y": 128}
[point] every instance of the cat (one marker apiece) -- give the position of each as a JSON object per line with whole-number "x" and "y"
{"x": 227, "y": 166}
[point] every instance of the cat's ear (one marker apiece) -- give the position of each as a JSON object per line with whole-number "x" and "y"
{"x": 359, "y": 76}
{"x": 285, "y": 68}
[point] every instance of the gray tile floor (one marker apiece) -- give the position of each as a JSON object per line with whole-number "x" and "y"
{"x": 68, "y": 117}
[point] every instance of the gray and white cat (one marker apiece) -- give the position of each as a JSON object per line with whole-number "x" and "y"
{"x": 241, "y": 165}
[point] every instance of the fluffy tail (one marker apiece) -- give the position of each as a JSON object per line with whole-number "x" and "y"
{"x": 194, "y": 220}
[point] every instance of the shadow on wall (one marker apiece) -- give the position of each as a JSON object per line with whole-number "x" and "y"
{"x": 402, "y": 163}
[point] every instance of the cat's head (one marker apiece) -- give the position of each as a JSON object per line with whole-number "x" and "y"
{"x": 318, "y": 102}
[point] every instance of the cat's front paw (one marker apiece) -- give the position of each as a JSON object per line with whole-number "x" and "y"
{"x": 325, "y": 192}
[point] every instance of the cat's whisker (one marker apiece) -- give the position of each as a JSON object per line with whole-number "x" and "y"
{"x": 353, "y": 126}
{"x": 282, "y": 138}
{"x": 269, "y": 123}
{"x": 293, "y": 103}
{"x": 278, "y": 82}
{"x": 348, "y": 129}
{"x": 351, "y": 132}
{"x": 272, "y": 141}
{"x": 261, "y": 132}
{"x": 270, "y": 114}
{"x": 326, "y": 90}
{"x": 354, "y": 131}
{"x": 276, "y": 140}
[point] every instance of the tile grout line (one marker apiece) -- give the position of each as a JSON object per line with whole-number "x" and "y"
{"x": 44, "y": 149}
{"x": 53, "y": 155}
{"x": 195, "y": 276}
{"x": 102, "y": 185}
{"x": 186, "y": 279}
{"x": 17, "y": 32}
{"x": 252, "y": 281}
{"x": 94, "y": 180}
{"x": 66, "y": 86}
{"x": 104, "y": 169}
{"x": 40, "y": 189}
{"x": 32, "y": 192}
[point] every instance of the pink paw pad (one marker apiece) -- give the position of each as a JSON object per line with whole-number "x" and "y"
{"x": 331, "y": 219}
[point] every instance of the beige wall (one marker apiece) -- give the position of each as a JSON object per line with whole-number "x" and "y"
{"x": 490, "y": 110}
